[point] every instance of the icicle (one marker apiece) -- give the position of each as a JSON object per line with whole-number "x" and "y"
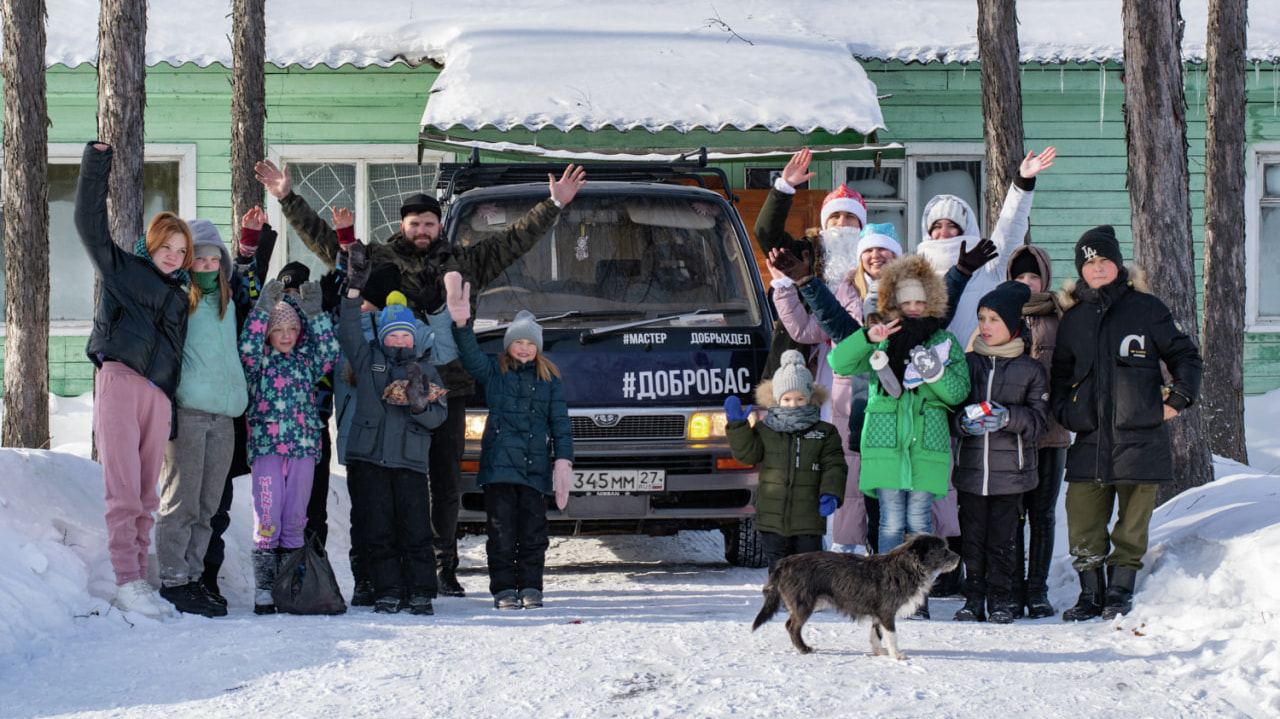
{"x": 1102, "y": 96}
{"x": 1062, "y": 70}
{"x": 1257, "y": 74}
{"x": 1274, "y": 68}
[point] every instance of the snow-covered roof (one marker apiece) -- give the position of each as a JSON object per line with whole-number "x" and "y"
{"x": 653, "y": 65}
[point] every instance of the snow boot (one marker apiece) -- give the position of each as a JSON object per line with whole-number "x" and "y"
{"x": 1089, "y": 605}
{"x": 974, "y": 609}
{"x": 1003, "y": 610}
{"x": 138, "y": 597}
{"x": 1036, "y": 587}
{"x": 421, "y": 605}
{"x": 363, "y": 594}
{"x": 531, "y": 598}
{"x": 266, "y": 563}
{"x": 507, "y": 599}
{"x": 1119, "y": 596}
{"x": 190, "y": 598}
{"x": 447, "y": 582}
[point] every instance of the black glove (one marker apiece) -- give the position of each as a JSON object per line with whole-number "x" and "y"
{"x": 799, "y": 269}
{"x": 971, "y": 261}
{"x": 310, "y": 299}
{"x": 432, "y": 297}
{"x": 269, "y": 297}
{"x": 358, "y": 266}
{"x": 416, "y": 388}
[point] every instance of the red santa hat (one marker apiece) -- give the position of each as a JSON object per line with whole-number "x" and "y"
{"x": 842, "y": 199}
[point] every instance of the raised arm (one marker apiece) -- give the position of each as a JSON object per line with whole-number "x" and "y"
{"x": 91, "y": 209}
{"x": 314, "y": 232}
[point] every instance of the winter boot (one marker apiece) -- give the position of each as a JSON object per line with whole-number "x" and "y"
{"x": 447, "y": 582}
{"x": 1036, "y": 592}
{"x": 421, "y": 605}
{"x": 266, "y": 563}
{"x": 138, "y": 597}
{"x": 1003, "y": 610}
{"x": 1089, "y": 605}
{"x": 190, "y": 598}
{"x": 363, "y": 594}
{"x": 974, "y": 609}
{"x": 1119, "y": 596}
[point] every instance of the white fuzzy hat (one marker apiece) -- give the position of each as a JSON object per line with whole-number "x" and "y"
{"x": 792, "y": 374}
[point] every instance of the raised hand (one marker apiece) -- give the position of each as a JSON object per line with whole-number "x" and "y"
{"x": 880, "y": 333}
{"x": 457, "y": 298}
{"x": 310, "y": 299}
{"x": 358, "y": 266}
{"x": 273, "y": 178}
{"x": 342, "y": 218}
{"x": 566, "y": 188}
{"x": 1033, "y": 164}
{"x": 269, "y": 297}
{"x": 796, "y": 172}
{"x": 733, "y": 409}
{"x": 254, "y": 219}
{"x": 970, "y": 261}
{"x": 799, "y": 269}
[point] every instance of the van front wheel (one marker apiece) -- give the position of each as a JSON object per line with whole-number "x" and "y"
{"x": 742, "y": 544}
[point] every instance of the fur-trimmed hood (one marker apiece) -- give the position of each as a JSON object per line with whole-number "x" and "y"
{"x": 764, "y": 395}
{"x": 1067, "y": 295}
{"x": 911, "y": 267}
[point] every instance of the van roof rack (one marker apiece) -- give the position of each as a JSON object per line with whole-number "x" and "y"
{"x": 458, "y": 177}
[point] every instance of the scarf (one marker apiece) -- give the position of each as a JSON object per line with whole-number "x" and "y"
{"x": 792, "y": 419}
{"x": 914, "y": 331}
{"x": 1042, "y": 303}
{"x": 208, "y": 281}
{"x": 140, "y": 249}
{"x": 1012, "y": 348}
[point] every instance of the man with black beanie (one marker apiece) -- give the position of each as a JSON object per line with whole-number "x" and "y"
{"x": 1106, "y": 386}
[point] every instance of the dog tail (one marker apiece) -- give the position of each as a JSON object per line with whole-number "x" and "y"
{"x": 771, "y": 600}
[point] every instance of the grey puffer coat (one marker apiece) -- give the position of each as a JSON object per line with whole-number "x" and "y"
{"x": 1003, "y": 462}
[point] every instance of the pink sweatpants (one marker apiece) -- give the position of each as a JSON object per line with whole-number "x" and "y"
{"x": 281, "y": 490}
{"x": 131, "y": 428}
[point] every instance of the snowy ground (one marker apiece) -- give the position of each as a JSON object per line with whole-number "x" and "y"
{"x": 653, "y": 627}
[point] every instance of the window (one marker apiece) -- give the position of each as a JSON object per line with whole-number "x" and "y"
{"x": 370, "y": 180}
{"x": 1262, "y": 187}
{"x": 168, "y": 184}
{"x": 898, "y": 190}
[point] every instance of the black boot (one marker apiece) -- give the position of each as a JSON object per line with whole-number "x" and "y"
{"x": 974, "y": 609}
{"x": 1089, "y": 605}
{"x": 1036, "y": 595}
{"x": 922, "y": 612}
{"x": 363, "y": 594}
{"x": 266, "y": 563}
{"x": 1119, "y": 596}
{"x": 447, "y": 582}
{"x": 1003, "y": 609}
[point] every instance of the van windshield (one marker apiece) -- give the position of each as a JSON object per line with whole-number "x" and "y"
{"x": 613, "y": 259}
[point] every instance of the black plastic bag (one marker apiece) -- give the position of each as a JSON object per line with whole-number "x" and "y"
{"x": 305, "y": 583}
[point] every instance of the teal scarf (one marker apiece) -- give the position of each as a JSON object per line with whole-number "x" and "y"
{"x": 140, "y": 249}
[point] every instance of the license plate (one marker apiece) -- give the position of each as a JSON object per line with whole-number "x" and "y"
{"x": 620, "y": 480}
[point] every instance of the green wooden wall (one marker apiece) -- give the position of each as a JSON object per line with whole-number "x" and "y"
{"x": 1076, "y": 107}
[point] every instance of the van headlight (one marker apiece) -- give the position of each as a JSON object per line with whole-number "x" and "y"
{"x": 705, "y": 425}
{"x": 475, "y": 425}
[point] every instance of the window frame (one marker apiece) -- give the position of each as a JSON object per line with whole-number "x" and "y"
{"x": 70, "y": 153}
{"x": 1260, "y": 155}
{"x": 361, "y": 155}
{"x": 916, "y": 153}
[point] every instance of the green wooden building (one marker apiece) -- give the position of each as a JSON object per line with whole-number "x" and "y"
{"x": 349, "y": 130}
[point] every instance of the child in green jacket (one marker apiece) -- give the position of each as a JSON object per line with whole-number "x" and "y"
{"x": 918, "y": 374}
{"x": 802, "y": 475}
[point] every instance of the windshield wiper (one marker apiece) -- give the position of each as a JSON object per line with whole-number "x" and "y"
{"x": 504, "y": 325}
{"x": 601, "y": 332}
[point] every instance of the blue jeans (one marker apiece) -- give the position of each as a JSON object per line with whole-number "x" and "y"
{"x": 903, "y": 510}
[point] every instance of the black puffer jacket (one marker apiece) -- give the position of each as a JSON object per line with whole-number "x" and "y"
{"x": 1003, "y": 462}
{"x": 141, "y": 317}
{"x": 1106, "y": 381}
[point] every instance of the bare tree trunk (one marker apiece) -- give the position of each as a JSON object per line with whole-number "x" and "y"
{"x": 1160, "y": 195}
{"x": 1224, "y": 250}
{"x": 248, "y": 108}
{"x": 26, "y": 226}
{"x": 122, "y": 97}
{"x": 1001, "y": 101}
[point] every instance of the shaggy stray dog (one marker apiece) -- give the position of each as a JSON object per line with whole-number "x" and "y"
{"x": 885, "y": 587}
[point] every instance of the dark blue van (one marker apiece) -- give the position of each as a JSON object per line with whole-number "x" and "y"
{"x": 653, "y": 310}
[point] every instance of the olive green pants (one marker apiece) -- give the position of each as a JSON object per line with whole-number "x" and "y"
{"x": 1089, "y": 507}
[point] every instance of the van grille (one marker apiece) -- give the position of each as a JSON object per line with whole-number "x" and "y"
{"x": 662, "y": 426}
{"x": 673, "y": 464}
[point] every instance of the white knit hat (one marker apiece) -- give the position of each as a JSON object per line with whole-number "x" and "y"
{"x": 947, "y": 208}
{"x": 792, "y": 375}
{"x": 909, "y": 290}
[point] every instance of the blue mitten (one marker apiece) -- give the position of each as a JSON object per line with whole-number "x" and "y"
{"x": 972, "y": 426}
{"x": 733, "y": 410}
{"x": 997, "y": 420}
{"x": 827, "y": 504}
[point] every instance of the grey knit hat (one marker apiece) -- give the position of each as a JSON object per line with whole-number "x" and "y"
{"x": 523, "y": 327}
{"x": 792, "y": 374}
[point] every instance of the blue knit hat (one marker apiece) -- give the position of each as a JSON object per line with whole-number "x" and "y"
{"x": 395, "y": 317}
